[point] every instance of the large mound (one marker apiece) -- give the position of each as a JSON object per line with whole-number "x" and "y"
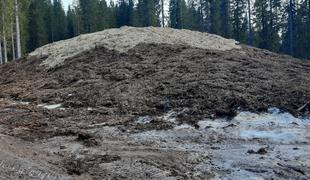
{"x": 123, "y": 76}
{"x": 126, "y": 38}
{"x": 100, "y": 106}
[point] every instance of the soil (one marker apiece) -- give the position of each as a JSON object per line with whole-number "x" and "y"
{"x": 86, "y": 118}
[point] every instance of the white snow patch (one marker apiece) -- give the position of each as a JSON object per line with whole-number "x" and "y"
{"x": 24, "y": 103}
{"x": 285, "y": 138}
{"x": 50, "y": 107}
{"x": 144, "y": 120}
{"x": 183, "y": 126}
{"x": 90, "y": 109}
{"x": 212, "y": 124}
{"x": 170, "y": 116}
{"x": 126, "y": 38}
{"x": 273, "y": 126}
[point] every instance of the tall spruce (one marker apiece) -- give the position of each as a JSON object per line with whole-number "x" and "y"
{"x": 38, "y": 24}
{"x": 250, "y": 28}
{"x": 225, "y": 18}
{"x": 59, "y": 23}
{"x": 239, "y": 20}
{"x": 177, "y": 9}
{"x": 124, "y": 13}
{"x": 289, "y": 28}
{"x": 88, "y": 10}
{"x": 215, "y": 24}
{"x": 148, "y": 12}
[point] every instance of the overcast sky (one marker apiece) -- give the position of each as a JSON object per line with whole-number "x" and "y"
{"x": 66, "y": 3}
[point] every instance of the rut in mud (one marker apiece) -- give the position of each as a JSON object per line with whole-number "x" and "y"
{"x": 153, "y": 111}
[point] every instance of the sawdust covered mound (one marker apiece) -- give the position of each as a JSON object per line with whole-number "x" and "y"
{"x": 154, "y": 78}
{"x": 126, "y": 38}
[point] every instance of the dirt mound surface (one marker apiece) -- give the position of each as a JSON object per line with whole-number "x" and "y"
{"x": 126, "y": 38}
{"x": 141, "y": 105}
{"x": 156, "y": 78}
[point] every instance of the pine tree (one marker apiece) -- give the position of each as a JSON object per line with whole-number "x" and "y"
{"x": 124, "y": 13}
{"x": 261, "y": 21}
{"x": 177, "y": 9}
{"x": 148, "y": 12}
{"x": 225, "y": 18}
{"x": 250, "y": 30}
{"x": 37, "y": 24}
{"x": 59, "y": 23}
{"x": 215, "y": 24}
{"x": 239, "y": 20}
{"x": 267, "y": 24}
{"x": 102, "y": 16}
{"x": 192, "y": 19}
{"x": 88, "y": 11}
{"x": 71, "y": 23}
{"x": 288, "y": 38}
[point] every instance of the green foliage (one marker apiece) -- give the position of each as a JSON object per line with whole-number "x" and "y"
{"x": 177, "y": 11}
{"x": 148, "y": 12}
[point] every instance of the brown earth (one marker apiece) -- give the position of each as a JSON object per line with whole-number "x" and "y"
{"x": 105, "y": 88}
{"x": 153, "y": 79}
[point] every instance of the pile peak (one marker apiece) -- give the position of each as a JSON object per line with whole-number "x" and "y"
{"x": 126, "y": 38}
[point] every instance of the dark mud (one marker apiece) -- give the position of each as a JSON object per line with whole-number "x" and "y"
{"x": 153, "y": 79}
{"x": 100, "y": 95}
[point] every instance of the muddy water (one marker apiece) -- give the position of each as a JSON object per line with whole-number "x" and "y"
{"x": 271, "y": 145}
{"x": 250, "y": 146}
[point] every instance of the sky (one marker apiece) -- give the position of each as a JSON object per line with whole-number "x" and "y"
{"x": 66, "y": 3}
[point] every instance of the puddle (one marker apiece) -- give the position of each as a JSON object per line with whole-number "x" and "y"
{"x": 285, "y": 137}
{"x": 271, "y": 126}
{"x": 272, "y": 135}
{"x": 274, "y": 125}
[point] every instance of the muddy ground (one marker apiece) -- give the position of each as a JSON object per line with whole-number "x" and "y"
{"x": 141, "y": 115}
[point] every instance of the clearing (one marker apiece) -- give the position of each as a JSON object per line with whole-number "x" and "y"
{"x": 142, "y": 103}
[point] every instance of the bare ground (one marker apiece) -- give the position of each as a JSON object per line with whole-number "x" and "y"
{"x": 104, "y": 93}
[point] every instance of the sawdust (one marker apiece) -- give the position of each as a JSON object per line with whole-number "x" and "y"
{"x": 126, "y": 38}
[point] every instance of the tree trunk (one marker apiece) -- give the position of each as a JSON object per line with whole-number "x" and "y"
{"x": 17, "y": 28}
{"x": 5, "y": 52}
{"x": 5, "y": 56}
{"x": 163, "y": 13}
{"x": 1, "y": 59}
{"x": 290, "y": 28}
{"x": 13, "y": 42}
{"x": 201, "y": 20}
{"x": 309, "y": 14}
{"x": 250, "y": 24}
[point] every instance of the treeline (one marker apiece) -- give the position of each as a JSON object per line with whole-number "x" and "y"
{"x": 276, "y": 25}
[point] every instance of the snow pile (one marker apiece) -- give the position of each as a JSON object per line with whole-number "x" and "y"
{"x": 126, "y": 38}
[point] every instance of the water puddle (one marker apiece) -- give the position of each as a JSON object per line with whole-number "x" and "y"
{"x": 234, "y": 144}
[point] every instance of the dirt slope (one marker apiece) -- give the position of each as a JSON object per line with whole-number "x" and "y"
{"x": 155, "y": 78}
{"x": 87, "y": 109}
